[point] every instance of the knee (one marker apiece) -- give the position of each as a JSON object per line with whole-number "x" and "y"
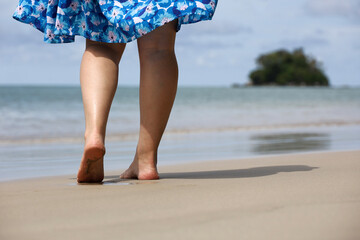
{"x": 154, "y": 50}
{"x": 112, "y": 51}
{"x": 156, "y": 53}
{"x": 159, "y": 42}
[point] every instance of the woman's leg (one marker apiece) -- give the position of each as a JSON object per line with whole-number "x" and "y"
{"x": 98, "y": 78}
{"x": 158, "y": 85}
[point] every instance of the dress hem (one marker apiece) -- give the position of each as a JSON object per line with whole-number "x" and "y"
{"x": 71, "y": 38}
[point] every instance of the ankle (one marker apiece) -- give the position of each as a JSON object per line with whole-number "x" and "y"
{"x": 94, "y": 136}
{"x": 148, "y": 157}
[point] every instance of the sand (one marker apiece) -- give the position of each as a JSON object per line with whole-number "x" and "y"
{"x": 292, "y": 196}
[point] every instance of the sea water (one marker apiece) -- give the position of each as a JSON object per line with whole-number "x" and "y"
{"x": 42, "y": 127}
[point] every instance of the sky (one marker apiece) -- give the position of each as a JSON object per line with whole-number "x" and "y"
{"x": 219, "y": 52}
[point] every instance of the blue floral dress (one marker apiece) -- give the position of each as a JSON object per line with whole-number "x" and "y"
{"x": 112, "y": 21}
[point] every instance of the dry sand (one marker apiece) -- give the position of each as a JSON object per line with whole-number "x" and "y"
{"x": 295, "y": 196}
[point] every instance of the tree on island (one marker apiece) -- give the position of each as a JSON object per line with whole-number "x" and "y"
{"x": 285, "y": 68}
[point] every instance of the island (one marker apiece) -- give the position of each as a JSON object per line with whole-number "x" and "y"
{"x": 284, "y": 68}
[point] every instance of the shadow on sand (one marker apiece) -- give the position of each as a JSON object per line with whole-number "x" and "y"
{"x": 223, "y": 174}
{"x": 237, "y": 173}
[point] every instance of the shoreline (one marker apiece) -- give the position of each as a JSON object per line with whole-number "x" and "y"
{"x": 52, "y": 159}
{"x": 181, "y": 131}
{"x": 288, "y": 196}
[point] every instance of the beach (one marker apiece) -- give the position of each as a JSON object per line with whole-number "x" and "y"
{"x": 245, "y": 163}
{"x": 262, "y": 140}
{"x": 314, "y": 195}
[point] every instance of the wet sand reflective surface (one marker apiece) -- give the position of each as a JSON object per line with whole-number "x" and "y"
{"x": 290, "y": 142}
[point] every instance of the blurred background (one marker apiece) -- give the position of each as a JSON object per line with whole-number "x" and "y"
{"x": 214, "y": 53}
{"x": 42, "y": 125}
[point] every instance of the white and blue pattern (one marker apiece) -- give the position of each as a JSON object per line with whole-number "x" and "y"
{"x": 112, "y": 21}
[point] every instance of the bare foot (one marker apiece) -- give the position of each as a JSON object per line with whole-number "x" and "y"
{"x": 141, "y": 169}
{"x": 91, "y": 167}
